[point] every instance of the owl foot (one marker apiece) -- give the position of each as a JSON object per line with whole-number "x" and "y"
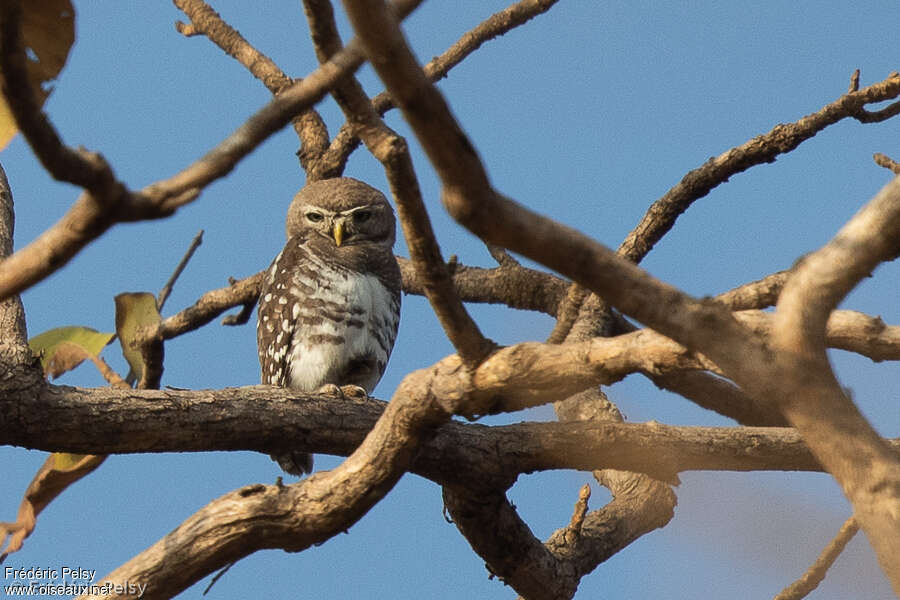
{"x": 345, "y": 392}
{"x": 354, "y": 392}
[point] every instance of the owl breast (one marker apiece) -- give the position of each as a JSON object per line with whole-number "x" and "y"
{"x": 327, "y": 323}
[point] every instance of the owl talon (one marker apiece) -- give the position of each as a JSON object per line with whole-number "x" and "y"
{"x": 354, "y": 392}
{"x": 329, "y": 389}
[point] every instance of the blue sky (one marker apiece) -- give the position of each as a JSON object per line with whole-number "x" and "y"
{"x": 588, "y": 114}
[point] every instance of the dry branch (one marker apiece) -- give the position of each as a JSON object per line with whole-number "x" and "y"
{"x": 783, "y": 138}
{"x": 816, "y": 572}
{"x": 498, "y": 24}
{"x": 115, "y": 421}
{"x": 309, "y": 126}
{"x": 834, "y": 428}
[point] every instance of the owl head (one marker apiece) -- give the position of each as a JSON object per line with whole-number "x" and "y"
{"x": 344, "y": 210}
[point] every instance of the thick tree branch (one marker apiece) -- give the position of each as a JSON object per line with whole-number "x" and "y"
{"x": 114, "y": 421}
{"x": 834, "y": 428}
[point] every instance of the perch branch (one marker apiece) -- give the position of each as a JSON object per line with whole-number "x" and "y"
{"x": 116, "y": 421}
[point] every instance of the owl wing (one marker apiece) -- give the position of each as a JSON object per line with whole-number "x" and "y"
{"x": 274, "y": 327}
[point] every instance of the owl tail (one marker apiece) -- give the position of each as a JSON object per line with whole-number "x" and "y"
{"x": 295, "y": 463}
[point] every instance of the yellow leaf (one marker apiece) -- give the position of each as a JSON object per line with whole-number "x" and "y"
{"x": 134, "y": 310}
{"x": 62, "y": 349}
{"x": 48, "y": 32}
{"x": 58, "y": 472}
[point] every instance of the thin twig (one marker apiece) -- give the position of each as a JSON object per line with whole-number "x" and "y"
{"x": 111, "y": 377}
{"x": 167, "y": 288}
{"x": 816, "y": 572}
{"x": 887, "y": 162}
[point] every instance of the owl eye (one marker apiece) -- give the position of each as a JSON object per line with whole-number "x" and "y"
{"x": 361, "y": 216}
{"x": 314, "y": 217}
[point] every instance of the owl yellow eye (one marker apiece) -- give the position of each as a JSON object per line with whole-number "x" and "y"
{"x": 361, "y": 216}
{"x": 314, "y": 217}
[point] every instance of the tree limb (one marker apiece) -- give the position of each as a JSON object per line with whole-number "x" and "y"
{"x": 834, "y": 428}
{"x": 661, "y": 216}
{"x": 116, "y": 421}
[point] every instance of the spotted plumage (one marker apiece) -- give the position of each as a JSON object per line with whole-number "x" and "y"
{"x": 330, "y": 303}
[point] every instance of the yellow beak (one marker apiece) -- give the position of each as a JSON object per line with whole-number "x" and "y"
{"x": 338, "y": 232}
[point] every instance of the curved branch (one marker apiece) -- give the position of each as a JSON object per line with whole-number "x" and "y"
{"x": 832, "y": 425}
{"x": 309, "y": 126}
{"x": 661, "y": 216}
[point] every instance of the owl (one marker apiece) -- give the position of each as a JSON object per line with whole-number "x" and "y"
{"x": 329, "y": 306}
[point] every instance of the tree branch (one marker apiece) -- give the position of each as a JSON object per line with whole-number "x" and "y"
{"x": 309, "y": 126}
{"x": 816, "y": 572}
{"x": 661, "y": 216}
{"x": 498, "y": 24}
{"x": 116, "y": 421}
{"x": 816, "y": 405}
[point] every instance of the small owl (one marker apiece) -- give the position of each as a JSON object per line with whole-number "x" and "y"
{"x": 330, "y": 304}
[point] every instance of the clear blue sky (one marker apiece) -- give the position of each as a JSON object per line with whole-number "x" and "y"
{"x": 588, "y": 113}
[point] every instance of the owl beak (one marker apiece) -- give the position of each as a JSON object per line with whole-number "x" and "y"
{"x": 338, "y": 232}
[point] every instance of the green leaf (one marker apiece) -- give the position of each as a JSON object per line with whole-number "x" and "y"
{"x": 134, "y": 310}
{"x": 64, "y": 348}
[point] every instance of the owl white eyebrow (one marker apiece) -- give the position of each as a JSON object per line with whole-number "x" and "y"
{"x": 356, "y": 208}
